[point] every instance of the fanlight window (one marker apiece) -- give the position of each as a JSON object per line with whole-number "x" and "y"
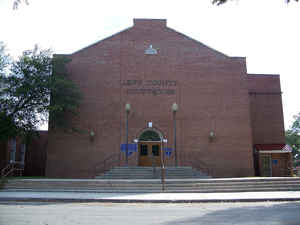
{"x": 149, "y": 135}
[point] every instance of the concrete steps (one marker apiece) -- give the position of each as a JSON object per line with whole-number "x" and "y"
{"x": 152, "y": 173}
{"x": 154, "y": 185}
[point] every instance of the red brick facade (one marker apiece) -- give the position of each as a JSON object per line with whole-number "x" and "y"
{"x": 213, "y": 91}
{"x": 33, "y": 157}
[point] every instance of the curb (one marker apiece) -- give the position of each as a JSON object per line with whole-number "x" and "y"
{"x": 144, "y": 200}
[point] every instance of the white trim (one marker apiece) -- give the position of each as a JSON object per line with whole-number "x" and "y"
{"x": 274, "y": 151}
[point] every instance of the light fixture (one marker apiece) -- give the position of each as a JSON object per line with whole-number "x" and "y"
{"x": 212, "y": 135}
{"x": 127, "y": 107}
{"x": 92, "y": 135}
{"x": 175, "y": 107}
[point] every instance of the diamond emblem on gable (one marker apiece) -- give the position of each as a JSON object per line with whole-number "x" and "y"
{"x": 150, "y": 51}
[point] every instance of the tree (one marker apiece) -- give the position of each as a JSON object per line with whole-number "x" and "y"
{"x": 16, "y": 3}
{"x": 25, "y": 99}
{"x": 296, "y": 124}
{"x": 293, "y": 139}
{"x": 4, "y": 58}
{"x": 220, "y": 2}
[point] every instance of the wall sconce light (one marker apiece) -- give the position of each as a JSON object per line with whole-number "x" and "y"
{"x": 127, "y": 107}
{"x": 212, "y": 136}
{"x": 174, "y": 107}
{"x": 165, "y": 140}
{"x": 92, "y": 135}
{"x": 135, "y": 140}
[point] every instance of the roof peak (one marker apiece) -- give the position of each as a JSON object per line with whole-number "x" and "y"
{"x": 150, "y": 22}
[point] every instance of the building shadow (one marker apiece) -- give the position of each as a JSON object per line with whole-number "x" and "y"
{"x": 275, "y": 214}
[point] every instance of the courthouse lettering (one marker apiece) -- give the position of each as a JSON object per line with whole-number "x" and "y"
{"x": 154, "y": 87}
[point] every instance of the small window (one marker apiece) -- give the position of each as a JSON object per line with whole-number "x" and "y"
{"x": 155, "y": 150}
{"x": 144, "y": 150}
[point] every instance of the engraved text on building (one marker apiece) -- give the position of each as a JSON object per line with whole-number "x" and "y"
{"x": 154, "y": 87}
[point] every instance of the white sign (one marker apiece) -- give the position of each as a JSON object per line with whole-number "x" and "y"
{"x": 151, "y": 51}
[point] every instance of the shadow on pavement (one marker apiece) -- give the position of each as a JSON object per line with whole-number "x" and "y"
{"x": 285, "y": 214}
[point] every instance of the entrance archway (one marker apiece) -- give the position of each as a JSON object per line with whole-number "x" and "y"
{"x": 149, "y": 148}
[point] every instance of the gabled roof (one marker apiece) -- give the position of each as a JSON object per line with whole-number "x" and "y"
{"x": 97, "y": 42}
{"x": 153, "y": 23}
{"x": 206, "y": 46}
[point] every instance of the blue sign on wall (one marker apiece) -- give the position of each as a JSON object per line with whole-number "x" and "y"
{"x": 168, "y": 151}
{"x": 131, "y": 148}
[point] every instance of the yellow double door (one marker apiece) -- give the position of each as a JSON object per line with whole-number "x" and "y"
{"x": 149, "y": 153}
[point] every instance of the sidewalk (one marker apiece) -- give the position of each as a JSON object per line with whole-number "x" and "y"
{"x": 148, "y": 197}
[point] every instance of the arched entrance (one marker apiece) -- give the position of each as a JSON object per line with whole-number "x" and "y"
{"x": 149, "y": 148}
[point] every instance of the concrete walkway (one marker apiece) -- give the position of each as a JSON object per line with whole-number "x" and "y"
{"x": 148, "y": 197}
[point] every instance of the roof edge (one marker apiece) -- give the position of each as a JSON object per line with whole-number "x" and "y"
{"x": 97, "y": 42}
{"x": 60, "y": 55}
{"x": 261, "y": 74}
{"x": 221, "y": 53}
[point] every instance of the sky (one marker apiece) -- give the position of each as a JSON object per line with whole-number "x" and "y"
{"x": 263, "y": 31}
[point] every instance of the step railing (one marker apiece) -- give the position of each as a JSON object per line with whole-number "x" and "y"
{"x": 12, "y": 168}
{"x": 114, "y": 160}
{"x": 199, "y": 165}
{"x": 108, "y": 163}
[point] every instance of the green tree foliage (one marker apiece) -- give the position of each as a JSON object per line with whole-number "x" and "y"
{"x": 4, "y": 59}
{"x": 25, "y": 98}
{"x": 220, "y": 2}
{"x": 293, "y": 139}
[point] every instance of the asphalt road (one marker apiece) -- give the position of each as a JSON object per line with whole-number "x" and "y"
{"x": 260, "y": 213}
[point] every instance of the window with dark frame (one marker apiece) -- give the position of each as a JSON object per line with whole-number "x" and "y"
{"x": 155, "y": 150}
{"x": 144, "y": 150}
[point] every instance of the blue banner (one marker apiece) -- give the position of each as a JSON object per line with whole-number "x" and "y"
{"x": 131, "y": 148}
{"x": 168, "y": 151}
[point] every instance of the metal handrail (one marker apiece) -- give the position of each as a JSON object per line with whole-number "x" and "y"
{"x": 5, "y": 170}
{"x": 198, "y": 164}
{"x": 108, "y": 163}
{"x": 162, "y": 170}
{"x": 102, "y": 166}
{"x": 203, "y": 167}
{"x": 12, "y": 167}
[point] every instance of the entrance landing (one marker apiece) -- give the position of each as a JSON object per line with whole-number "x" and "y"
{"x": 153, "y": 173}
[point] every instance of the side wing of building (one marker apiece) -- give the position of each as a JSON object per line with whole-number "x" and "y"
{"x": 266, "y": 109}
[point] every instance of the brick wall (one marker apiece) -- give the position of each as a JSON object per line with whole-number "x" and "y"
{"x": 35, "y": 158}
{"x": 266, "y": 109}
{"x": 211, "y": 91}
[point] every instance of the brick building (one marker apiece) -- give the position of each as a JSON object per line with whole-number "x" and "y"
{"x": 155, "y": 79}
{"x": 30, "y": 157}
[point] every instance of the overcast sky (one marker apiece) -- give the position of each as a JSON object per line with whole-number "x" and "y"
{"x": 264, "y": 31}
